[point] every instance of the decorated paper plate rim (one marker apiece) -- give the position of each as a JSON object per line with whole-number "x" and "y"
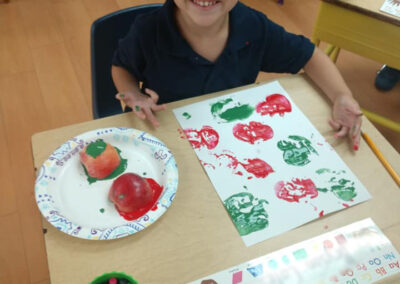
{"x": 47, "y": 175}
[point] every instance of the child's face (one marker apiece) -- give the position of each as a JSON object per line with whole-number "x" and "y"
{"x": 205, "y": 13}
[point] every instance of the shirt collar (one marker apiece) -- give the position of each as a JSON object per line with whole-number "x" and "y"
{"x": 241, "y": 30}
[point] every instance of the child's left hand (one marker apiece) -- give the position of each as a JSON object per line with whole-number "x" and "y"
{"x": 346, "y": 119}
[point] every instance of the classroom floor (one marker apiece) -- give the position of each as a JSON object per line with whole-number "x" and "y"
{"x": 45, "y": 84}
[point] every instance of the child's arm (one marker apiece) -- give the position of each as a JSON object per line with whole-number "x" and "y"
{"x": 128, "y": 91}
{"x": 346, "y": 115}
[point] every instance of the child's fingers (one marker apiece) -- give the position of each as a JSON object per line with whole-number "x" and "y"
{"x": 159, "y": 107}
{"x": 356, "y": 133}
{"x": 150, "y": 116}
{"x": 342, "y": 132}
{"x": 138, "y": 111}
{"x": 335, "y": 125}
{"x": 153, "y": 95}
{"x": 356, "y": 141}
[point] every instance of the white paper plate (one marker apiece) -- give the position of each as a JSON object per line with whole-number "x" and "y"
{"x": 75, "y": 207}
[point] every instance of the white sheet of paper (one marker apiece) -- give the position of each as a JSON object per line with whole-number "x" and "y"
{"x": 392, "y": 7}
{"x": 265, "y": 181}
{"x": 355, "y": 254}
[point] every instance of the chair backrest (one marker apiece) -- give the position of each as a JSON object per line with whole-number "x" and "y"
{"x": 105, "y": 34}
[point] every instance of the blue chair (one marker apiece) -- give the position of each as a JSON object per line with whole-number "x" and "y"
{"x": 105, "y": 34}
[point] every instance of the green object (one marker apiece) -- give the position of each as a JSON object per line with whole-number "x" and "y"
{"x": 228, "y": 111}
{"x": 95, "y": 149}
{"x": 103, "y": 279}
{"x": 137, "y": 108}
{"x": 119, "y": 170}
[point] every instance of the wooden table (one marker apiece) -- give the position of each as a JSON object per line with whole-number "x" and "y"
{"x": 196, "y": 237}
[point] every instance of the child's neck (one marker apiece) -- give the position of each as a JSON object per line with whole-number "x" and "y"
{"x": 207, "y": 41}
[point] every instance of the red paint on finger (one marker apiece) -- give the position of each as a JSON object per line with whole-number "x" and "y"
{"x": 355, "y": 147}
{"x": 252, "y": 132}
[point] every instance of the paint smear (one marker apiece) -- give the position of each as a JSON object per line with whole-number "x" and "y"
{"x": 296, "y": 189}
{"x": 186, "y": 115}
{"x": 205, "y": 137}
{"x": 252, "y": 132}
{"x": 321, "y": 214}
{"x": 257, "y": 167}
{"x": 228, "y": 111}
{"x": 273, "y": 104}
{"x": 157, "y": 189}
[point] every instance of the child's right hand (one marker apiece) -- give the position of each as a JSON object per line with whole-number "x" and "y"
{"x": 142, "y": 106}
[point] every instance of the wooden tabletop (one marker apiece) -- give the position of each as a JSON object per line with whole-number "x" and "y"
{"x": 367, "y": 7}
{"x": 196, "y": 236}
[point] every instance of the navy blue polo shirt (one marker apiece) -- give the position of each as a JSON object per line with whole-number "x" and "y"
{"x": 156, "y": 54}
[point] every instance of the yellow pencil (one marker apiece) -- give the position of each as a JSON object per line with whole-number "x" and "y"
{"x": 382, "y": 158}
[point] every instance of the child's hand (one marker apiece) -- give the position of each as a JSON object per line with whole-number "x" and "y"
{"x": 143, "y": 106}
{"x": 346, "y": 119}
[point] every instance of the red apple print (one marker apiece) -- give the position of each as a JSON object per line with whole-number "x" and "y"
{"x": 207, "y": 137}
{"x": 295, "y": 190}
{"x": 252, "y": 132}
{"x": 275, "y": 103}
{"x": 256, "y": 167}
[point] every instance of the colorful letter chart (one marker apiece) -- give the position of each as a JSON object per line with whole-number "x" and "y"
{"x": 355, "y": 254}
{"x": 267, "y": 162}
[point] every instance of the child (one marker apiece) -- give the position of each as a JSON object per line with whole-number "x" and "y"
{"x": 192, "y": 47}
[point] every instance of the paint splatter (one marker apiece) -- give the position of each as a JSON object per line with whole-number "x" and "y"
{"x": 248, "y": 213}
{"x": 206, "y": 137}
{"x": 157, "y": 189}
{"x": 181, "y": 133}
{"x": 334, "y": 182}
{"x": 273, "y": 104}
{"x": 101, "y": 210}
{"x": 227, "y": 110}
{"x": 321, "y": 214}
{"x": 252, "y": 132}
{"x": 296, "y": 189}
{"x": 205, "y": 164}
{"x": 296, "y": 153}
{"x": 256, "y": 167}
{"x": 186, "y": 115}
